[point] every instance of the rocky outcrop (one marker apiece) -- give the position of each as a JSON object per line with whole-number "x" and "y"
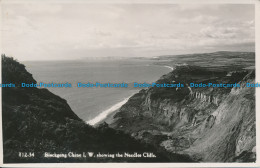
{"x": 206, "y": 98}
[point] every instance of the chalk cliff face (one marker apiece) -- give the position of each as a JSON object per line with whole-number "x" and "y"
{"x": 209, "y": 124}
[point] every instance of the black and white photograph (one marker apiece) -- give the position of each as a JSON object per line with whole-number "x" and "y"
{"x": 128, "y": 82}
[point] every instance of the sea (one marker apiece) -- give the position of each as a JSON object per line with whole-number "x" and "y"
{"x": 94, "y": 104}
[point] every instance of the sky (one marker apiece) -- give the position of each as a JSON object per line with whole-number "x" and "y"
{"x": 56, "y": 31}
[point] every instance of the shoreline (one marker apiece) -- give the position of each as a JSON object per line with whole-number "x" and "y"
{"x": 104, "y": 114}
{"x": 169, "y": 67}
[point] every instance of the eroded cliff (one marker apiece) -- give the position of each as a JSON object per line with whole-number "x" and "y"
{"x": 210, "y": 124}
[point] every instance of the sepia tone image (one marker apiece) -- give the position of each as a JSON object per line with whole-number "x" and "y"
{"x": 128, "y": 82}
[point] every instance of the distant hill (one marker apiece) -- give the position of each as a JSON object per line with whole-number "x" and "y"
{"x": 222, "y": 60}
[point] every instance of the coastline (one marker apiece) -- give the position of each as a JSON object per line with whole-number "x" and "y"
{"x": 169, "y": 67}
{"x": 107, "y": 113}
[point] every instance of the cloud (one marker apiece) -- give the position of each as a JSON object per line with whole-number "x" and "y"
{"x": 197, "y": 6}
{"x": 51, "y": 31}
{"x": 220, "y": 33}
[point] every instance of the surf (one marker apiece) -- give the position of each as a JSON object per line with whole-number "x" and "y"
{"x": 105, "y": 113}
{"x": 169, "y": 67}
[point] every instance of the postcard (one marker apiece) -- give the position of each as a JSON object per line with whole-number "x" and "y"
{"x": 129, "y": 83}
